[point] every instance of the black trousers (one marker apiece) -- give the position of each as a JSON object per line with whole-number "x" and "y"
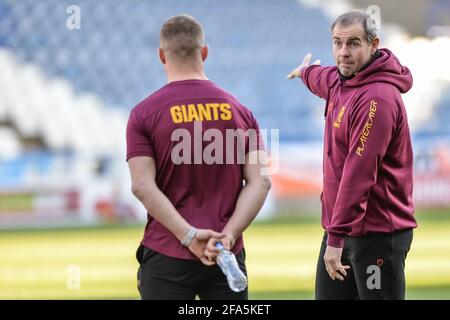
{"x": 165, "y": 278}
{"x": 377, "y": 268}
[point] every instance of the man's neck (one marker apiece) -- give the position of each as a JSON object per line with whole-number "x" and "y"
{"x": 178, "y": 74}
{"x": 185, "y": 76}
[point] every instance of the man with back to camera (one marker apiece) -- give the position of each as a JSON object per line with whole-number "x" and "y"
{"x": 367, "y": 209}
{"x": 191, "y": 204}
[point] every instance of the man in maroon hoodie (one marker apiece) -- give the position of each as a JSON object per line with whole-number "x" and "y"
{"x": 367, "y": 209}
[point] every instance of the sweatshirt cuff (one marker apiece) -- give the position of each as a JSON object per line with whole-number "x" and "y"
{"x": 335, "y": 240}
{"x": 303, "y": 76}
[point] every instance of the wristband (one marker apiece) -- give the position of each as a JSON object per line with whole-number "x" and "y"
{"x": 190, "y": 235}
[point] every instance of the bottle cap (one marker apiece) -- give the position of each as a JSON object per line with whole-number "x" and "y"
{"x": 219, "y": 246}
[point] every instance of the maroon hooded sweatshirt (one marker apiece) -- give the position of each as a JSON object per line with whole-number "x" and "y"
{"x": 368, "y": 157}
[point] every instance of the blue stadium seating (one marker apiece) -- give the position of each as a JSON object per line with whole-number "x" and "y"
{"x": 438, "y": 123}
{"x": 253, "y": 45}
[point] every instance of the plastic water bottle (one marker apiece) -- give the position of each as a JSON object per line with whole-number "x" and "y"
{"x": 229, "y": 265}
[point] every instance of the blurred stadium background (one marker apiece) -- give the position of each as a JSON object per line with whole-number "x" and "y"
{"x": 69, "y": 225}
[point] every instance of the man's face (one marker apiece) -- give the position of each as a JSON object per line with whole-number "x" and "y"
{"x": 350, "y": 48}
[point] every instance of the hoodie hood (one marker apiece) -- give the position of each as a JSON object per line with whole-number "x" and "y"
{"x": 385, "y": 68}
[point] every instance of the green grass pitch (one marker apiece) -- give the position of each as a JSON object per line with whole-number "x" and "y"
{"x": 281, "y": 259}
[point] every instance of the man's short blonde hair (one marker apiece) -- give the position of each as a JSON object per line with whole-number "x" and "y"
{"x": 182, "y": 38}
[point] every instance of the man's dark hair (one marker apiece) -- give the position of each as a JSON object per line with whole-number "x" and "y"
{"x": 358, "y": 17}
{"x": 182, "y": 37}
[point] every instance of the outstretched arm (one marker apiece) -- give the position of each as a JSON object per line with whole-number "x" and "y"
{"x": 316, "y": 78}
{"x": 297, "y": 72}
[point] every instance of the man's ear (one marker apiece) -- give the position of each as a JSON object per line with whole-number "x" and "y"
{"x": 162, "y": 55}
{"x": 205, "y": 51}
{"x": 374, "y": 45}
